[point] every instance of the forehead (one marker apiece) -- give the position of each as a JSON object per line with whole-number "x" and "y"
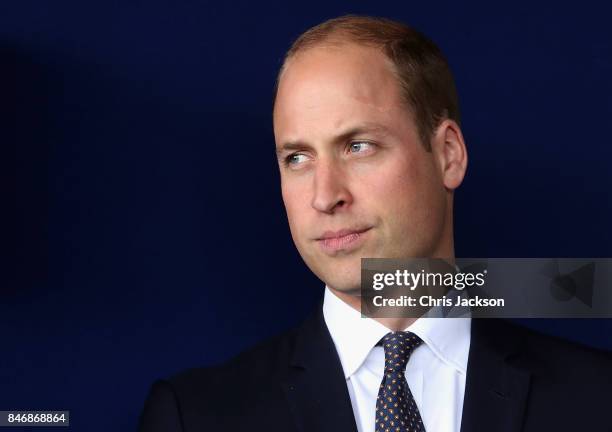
{"x": 326, "y": 87}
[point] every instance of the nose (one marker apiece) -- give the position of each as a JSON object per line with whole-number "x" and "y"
{"x": 331, "y": 190}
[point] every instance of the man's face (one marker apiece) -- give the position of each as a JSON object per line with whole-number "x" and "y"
{"x": 356, "y": 180}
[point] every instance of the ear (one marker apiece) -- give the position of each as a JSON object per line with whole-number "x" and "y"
{"x": 449, "y": 149}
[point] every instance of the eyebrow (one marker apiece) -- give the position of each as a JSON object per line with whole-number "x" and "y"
{"x": 343, "y": 136}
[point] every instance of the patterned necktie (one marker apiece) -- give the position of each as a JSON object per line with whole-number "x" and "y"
{"x": 396, "y": 410}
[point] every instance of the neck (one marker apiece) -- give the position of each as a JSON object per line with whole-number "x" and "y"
{"x": 353, "y": 298}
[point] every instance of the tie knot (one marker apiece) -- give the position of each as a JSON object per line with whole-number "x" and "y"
{"x": 398, "y": 348}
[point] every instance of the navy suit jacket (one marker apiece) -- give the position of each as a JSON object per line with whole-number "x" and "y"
{"x": 517, "y": 380}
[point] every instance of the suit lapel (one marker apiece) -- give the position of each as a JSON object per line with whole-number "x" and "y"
{"x": 315, "y": 386}
{"x": 495, "y": 390}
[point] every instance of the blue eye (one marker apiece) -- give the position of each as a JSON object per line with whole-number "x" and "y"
{"x": 294, "y": 159}
{"x": 359, "y": 146}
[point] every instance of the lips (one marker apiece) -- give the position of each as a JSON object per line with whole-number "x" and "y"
{"x": 327, "y": 235}
{"x": 345, "y": 240}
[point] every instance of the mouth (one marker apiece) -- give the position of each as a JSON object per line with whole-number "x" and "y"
{"x": 346, "y": 240}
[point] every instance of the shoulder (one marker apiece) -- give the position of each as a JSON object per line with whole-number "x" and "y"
{"x": 586, "y": 366}
{"x": 266, "y": 360}
{"x": 546, "y": 355}
{"x": 249, "y": 383}
{"x": 538, "y": 341}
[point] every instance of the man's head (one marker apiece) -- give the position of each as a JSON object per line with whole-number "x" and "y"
{"x": 369, "y": 146}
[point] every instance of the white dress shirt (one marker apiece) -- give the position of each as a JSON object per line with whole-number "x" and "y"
{"x": 435, "y": 372}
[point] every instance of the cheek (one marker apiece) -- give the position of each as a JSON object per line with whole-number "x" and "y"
{"x": 394, "y": 184}
{"x": 294, "y": 198}
{"x": 407, "y": 196}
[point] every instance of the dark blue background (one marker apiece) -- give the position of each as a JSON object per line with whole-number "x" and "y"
{"x": 148, "y": 227}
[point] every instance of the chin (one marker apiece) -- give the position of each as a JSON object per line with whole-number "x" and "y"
{"x": 343, "y": 275}
{"x": 347, "y": 289}
{"x": 348, "y": 281}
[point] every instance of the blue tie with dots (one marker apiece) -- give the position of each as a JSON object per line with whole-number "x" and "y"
{"x": 396, "y": 410}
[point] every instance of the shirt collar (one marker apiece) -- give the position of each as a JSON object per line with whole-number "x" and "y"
{"x": 354, "y": 336}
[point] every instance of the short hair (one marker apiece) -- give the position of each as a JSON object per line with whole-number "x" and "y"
{"x": 425, "y": 79}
